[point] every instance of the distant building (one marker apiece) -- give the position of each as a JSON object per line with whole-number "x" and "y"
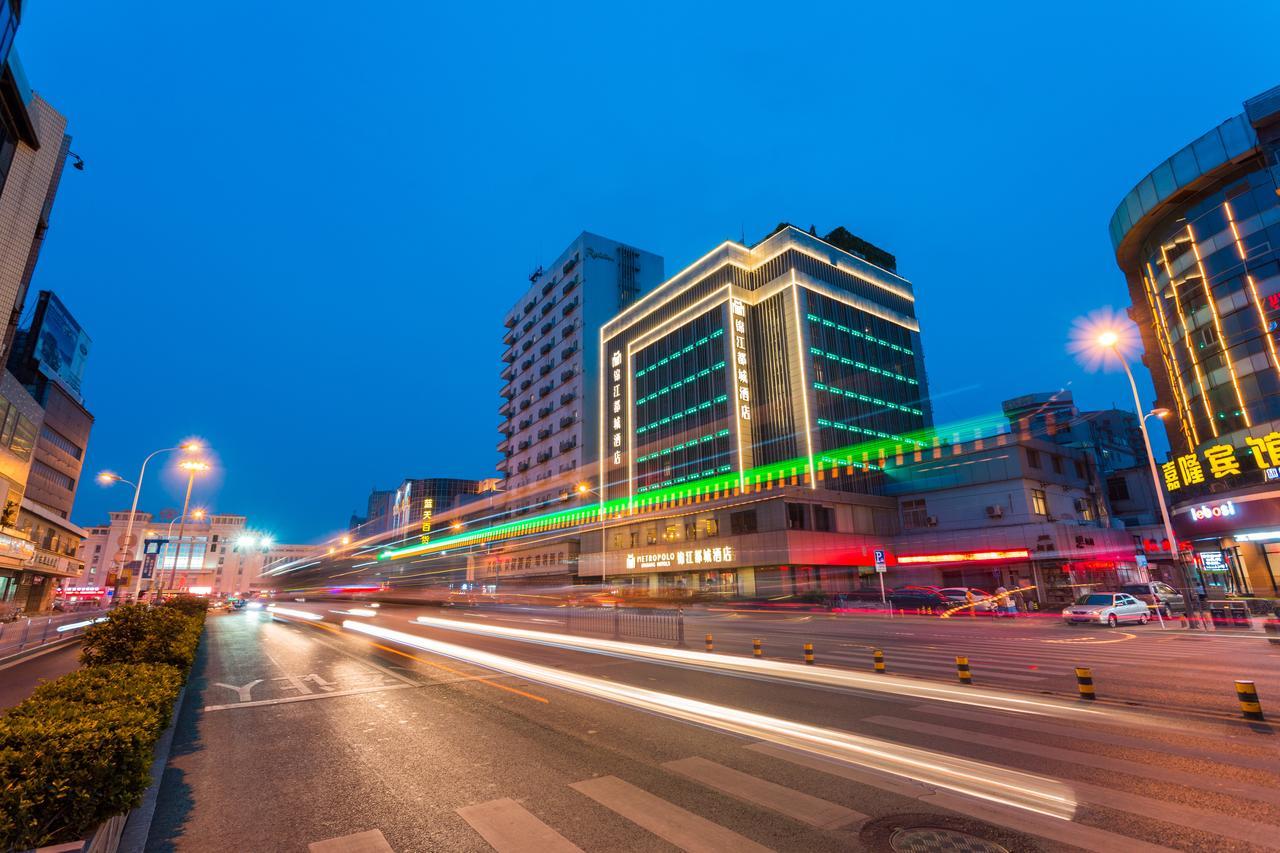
{"x": 416, "y": 501}
{"x": 1111, "y": 436}
{"x": 377, "y": 517}
{"x": 551, "y": 367}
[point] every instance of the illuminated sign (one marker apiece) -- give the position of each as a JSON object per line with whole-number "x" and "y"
{"x": 1261, "y": 536}
{"x": 966, "y": 557}
{"x": 1225, "y": 509}
{"x": 1223, "y": 460}
{"x": 615, "y": 407}
{"x": 427, "y": 505}
{"x": 692, "y": 557}
{"x": 11, "y": 546}
{"x": 741, "y": 375}
{"x": 1212, "y": 561}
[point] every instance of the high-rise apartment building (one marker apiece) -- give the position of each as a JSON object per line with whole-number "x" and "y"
{"x": 551, "y": 364}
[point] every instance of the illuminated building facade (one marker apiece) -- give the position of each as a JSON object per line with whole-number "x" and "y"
{"x": 416, "y": 502}
{"x": 550, "y": 365}
{"x": 1199, "y": 242}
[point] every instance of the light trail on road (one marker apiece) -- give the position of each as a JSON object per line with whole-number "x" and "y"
{"x": 988, "y": 782}
{"x": 817, "y": 675}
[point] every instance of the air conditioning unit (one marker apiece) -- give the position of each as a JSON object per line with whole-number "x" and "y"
{"x": 995, "y": 511}
{"x": 1081, "y": 504}
{"x": 932, "y": 521}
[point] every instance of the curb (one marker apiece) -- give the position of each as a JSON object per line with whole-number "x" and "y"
{"x": 138, "y": 825}
{"x": 36, "y": 651}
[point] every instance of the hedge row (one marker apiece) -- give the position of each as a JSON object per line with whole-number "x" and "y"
{"x": 79, "y": 750}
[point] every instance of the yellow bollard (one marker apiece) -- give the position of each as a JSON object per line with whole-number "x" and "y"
{"x": 1248, "y": 696}
{"x": 1084, "y": 681}
{"x": 808, "y": 653}
{"x": 710, "y": 645}
{"x": 757, "y": 648}
{"x": 963, "y": 671}
{"x": 878, "y": 655}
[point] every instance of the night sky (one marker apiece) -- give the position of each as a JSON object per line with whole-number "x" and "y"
{"x": 301, "y": 223}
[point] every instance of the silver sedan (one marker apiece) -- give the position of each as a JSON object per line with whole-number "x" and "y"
{"x": 1106, "y": 608}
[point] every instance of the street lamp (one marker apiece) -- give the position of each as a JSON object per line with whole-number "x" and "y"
{"x": 584, "y": 489}
{"x": 1109, "y": 342}
{"x": 108, "y": 478}
{"x": 192, "y": 467}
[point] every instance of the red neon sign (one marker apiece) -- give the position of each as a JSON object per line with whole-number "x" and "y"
{"x": 966, "y": 557}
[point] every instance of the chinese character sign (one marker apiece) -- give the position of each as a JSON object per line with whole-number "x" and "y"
{"x": 1222, "y": 460}
{"x": 738, "y": 317}
{"x": 615, "y": 394}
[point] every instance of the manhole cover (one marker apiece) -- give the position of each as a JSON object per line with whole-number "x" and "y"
{"x": 928, "y": 839}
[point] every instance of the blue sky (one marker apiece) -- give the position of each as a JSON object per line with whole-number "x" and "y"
{"x": 300, "y": 224}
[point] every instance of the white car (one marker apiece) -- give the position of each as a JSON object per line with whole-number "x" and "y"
{"x": 1106, "y": 608}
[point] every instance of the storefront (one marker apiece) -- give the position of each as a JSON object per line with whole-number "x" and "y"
{"x": 1235, "y": 543}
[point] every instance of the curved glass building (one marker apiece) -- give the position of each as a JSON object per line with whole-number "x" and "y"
{"x": 1199, "y": 242}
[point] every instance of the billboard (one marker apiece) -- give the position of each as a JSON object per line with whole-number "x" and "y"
{"x": 57, "y": 343}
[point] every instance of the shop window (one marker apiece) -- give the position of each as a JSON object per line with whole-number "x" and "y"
{"x": 742, "y": 522}
{"x": 822, "y": 519}
{"x": 669, "y": 533}
{"x": 1039, "y": 504}
{"x": 690, "y": 530}
{"x": 796, "y": 517}
{"x": 915, "y": 513}
{"x": 711, "y": 527}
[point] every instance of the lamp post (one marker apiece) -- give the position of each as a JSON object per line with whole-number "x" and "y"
{"x": 1110, "y": 342}
{"x": 192, "y": 467}
{"x": 583, "y": 489}
{"x": 108, "y": 478}
{"x": 247, "y": 542}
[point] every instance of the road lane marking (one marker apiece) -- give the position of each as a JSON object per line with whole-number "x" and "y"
{"x": 795, "y": 804}
{"x": 510, "y": 828}
{"x": 668, "y": 821}
{"x": 245, "y": 692}
{"x": 284, "y": 700}
{"x": 361, "y": 842}
{"x": 1090, "y": 641}
{"x": 1195, "y": 781}
{"x": 1067, "y": 832}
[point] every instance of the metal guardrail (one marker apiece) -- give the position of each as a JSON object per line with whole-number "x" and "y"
{"x": 642, "y": 622}
{"x": 25, "y": 634}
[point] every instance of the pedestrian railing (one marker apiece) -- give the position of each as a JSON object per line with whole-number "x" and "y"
{"x": 647, "y": 623}
{"x": 25, "y": 634}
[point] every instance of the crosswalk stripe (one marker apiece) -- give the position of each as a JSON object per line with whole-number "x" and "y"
{"x": 1067, "y": 832}
{"x": 669, "y": 822}
{"x": 510, "y": 828}
{"x": 1131, "y": 739}
{"x": 796, "y": 804}
{"x": 1118, "y": 765}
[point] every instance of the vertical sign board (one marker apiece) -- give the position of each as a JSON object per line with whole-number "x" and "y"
{"x": 880, "y": 564}
{"x": 741, "y": 379}
{"x": 428, "y": 504}
{"x": 615, "y": 407}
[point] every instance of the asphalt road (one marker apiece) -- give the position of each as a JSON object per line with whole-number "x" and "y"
{"x": 297, "y": 731}
{"x": 19, "y": 678}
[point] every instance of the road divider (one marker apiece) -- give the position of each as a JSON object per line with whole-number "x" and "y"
{"x": 1247, "y": 693}
{"x": 987, "y": 782}
{"x": 763, "y": 668}
{"x": 962, "y": 670}
{"x": 1084, "y": 683}
{"x": 877, "y": 658}
{"x": 808, "y": 654}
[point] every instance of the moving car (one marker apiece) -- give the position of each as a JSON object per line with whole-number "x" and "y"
{"x": 1158, "y": 594}
{"x": 915, "y": 597}
{"x": 959, "y": 595}
{"x": 1106, "y": 608}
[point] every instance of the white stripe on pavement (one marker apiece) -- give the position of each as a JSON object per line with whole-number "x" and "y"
{"x": 510, "y": 828}
{"x": 1067, "y": 832}
{"x": 669, "y": 822}
{"x": 1171, "y": 776}
{"x": 795, "y": 804}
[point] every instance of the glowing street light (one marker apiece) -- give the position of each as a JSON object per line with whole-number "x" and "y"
{"x": 1110, "y": 338}
{"x": 192, "y": 467}
{"x": 110, "y": 478}
{"x": 584, "y": 489}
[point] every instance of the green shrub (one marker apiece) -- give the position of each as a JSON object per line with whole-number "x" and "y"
{"x": 188, "y": 605}
{"x": 79, "y": 751}
{"x": 135, "y": 633}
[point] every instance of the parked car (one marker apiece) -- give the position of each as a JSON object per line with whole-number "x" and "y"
{"x": 915, "y": 597}
{"x": 1158, "y": 594}
{"x": 1106, "y": 608}
{"x": 960, "y": 595}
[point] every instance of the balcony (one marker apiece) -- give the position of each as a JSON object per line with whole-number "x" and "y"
{"x": 566, "y": 399}
{"x": 546, "y": 327}
{"x": 567, "y": 375}
{"x": 526, "y": 364}
{"x": 567, "y": 421}
{"x": 569, "y": 309}
{"x": 548, "y": 287}
{"x": 512, "y": 319}
{"x": 569, "y": 286}
{"x": 524, "y": 386}
{"x": 509, "y": 356}
{"x": 545, "y": 369}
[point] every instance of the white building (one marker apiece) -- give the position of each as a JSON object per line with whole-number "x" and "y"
{"x": 219, "y": 554}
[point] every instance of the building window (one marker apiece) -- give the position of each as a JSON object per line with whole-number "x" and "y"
{"x": 1039, "y": 504}
{"x": 617, "y": 540}
{"x": 742, "y": 522}
{"x": 1080, "y": 469}
{"x": 1033, "y": 458}
{"x": 635, "y": 538}
{"x": 822, "y": 518}
{"x": 915, "y": 513}
{"x": 711, "y": 527}
{"x": 669, "y": 533}
{"x": 1118, "y": 489}
{"x": 690, "y": 530}
{"x": 61, "y": 442}
{"x": 1057, "y": 464}
{"x": 651, "y": 536}
{"x": 796, "y": 517}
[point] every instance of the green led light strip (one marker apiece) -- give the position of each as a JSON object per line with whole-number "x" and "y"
{"x": 725, "y": 480}
{"x": 863, "y": 335}
{"x": 690, "y": 443}
{"x": 840, "y": 392}
{"x": 678, "y": 415}
{"x": 870, "y": 433}
{"x": 870, "y": 368}
{"x": 688, "y": 478}
{"x": 679, "y": 382}
{"x": 678, "y": 353}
